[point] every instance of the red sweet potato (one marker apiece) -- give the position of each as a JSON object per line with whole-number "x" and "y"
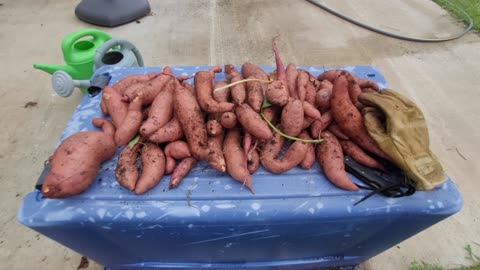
{"x": 329, "y": 75}
{"x": 292, "y": 157}
{"x": 122, "y": 85}
{"x": 302, "y": 81}
{"x": 349, "y": 118}
{"x": 221, "y": 95}
{"x": 318, "y": 126}
{"x": 309, "y": 158}
{"x": 177, "y": 150}
{"x": 253, "y": 161}
{"x": 292, "y": 74}
{"x": 292, "y": 118}
{"x": 149, "y": 89}
{"x": 277, "y": 93}
{"x": 126, "y": 171}
{"x": 191, "y": 119}
{"x": 281, "y": 75}
{"x": 253, "y": 123}
{"x": 354, "y": 89}
{"x": 251, "y": 70}
{"x": 367, "y": 83}
{"x": 322, "y": 99}
{"x": 160, "y": 112}
{"x": 355, "y": 152}
{"x": 130, "y": 125}
{"x": 169, "y": 165}
{"x": 238, "y": 92}
{"x": 153, "y": 167}
{"x": 77, "y": 159}
{"x": 172, "y": 131}
{"x": 204, "y": 93}
{"x": 254, "y": 94}
{"x": 311, "y": 111}
{"x": 216, "y": 159}
{"x": 180, "y": 171}
{"x": 116, "y": 108}
{"x": 330, "y": 156}
{"x": 228, "y": 120}
{"x": 335, "y": 130}
{"x": 214, "y": 128}
{"x": 235, "y": 160}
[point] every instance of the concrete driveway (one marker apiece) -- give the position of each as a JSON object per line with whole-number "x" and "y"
{"x": 442, "y": 78}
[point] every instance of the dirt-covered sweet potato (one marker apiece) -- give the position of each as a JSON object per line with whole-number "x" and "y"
{"x": 292, "y": 117}
{"x": 114, "y": 106}
{"x": 252, "y": 70}
{"x": 180, "y": 171}
{"x": 330, "y": 156}
{"x": 309, "y": 158}
{"x": 254, "y": 94}
{"x": 322, "y": 99}
{"x": 277, "y": 93}
{"x": 222, "y": 95}
{"x": 292, "y": 157}
{"x": 302, "y": 81}
{"x": 253, "y": 161}
{"x": 238, "y": 92}
{"x": 292, "y": 73}
{"x": 252, "y": 122}
{"x": 228, "y": 120}
{"x": 318, "y": 126}
{"x": 311, "y": 111}
{"x": 214, "y": 128}
{"x": 149, "y": 89}
{"x": 349, "y": 118}
{"x": 77, "y": 159}
{"x": 177, "y": 150}
{"x": 153, "y": 167}
{"x": 160, "y": 112}
{"x": 355, "y": 152}
{"x": 216, "y": 159}
{"x": 126, "y": 171}
{"x": 204, "y": 94}
{"x": 170, "y": 132}
{"x": 123, "y": 84}
{"x": 335, "y": 129}
{"x": 235, "y": 159}
{"x": 329, "y": 75}
{"x": 131, "y": 124}
{"x": 191, "y": 119}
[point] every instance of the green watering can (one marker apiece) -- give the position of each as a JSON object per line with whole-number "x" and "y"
{"x": 78, "y": 53}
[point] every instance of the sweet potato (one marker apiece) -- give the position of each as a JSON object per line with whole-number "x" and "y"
{"x": 335, "y": 130}
{"x": 180, "y": 171}
{"x": 277, "y": 93}
{"x": 251, "y": 70}
{"x": 216, "y": 159}
{"x": 126, "y": 171}
{"x": 309, "y": 158}
{"x": 368, "y": 90}
{"x": 318, "y": 126}
{"x": 238, "y": 92}
{"x": 330, "y": 156}
{"x": 172, "y": 131}
{"x": 77, "y": 159}
{"x": 204, "y": 93}
{"x": 230, "y": 72}
{"x": 349, "y": 118}
{"x": 149, "y": 89}
{"x": 292, "y": 74}
{"x": 254, "y": 94}
{"x": 311, "y": 111}
{"x": 325, "y": 84}
{"x": 292, "y": 157}
{"x": 310, "y": 93}
{"x": 253, "y": 123}
{"x": 214, "y": 127}
{"x": 228, "y": 120}
{"x": 191, "y": 119}
{"x": 367, "y": 83}
{"x": 253, "y": 161}
{"x": 169, "y": 165}
{"x": 354, "y": 89}
{"x": 153, "y": 167}
{"x": 221, "y": 95}
{"x": 272, "y": 113}
{"x": 235, "y": 160}
{"x": 122, "y": 85}
{"x": 177, "y": 150}
{"x": 307, "y": 122}
{"x": 116, "y": 108}
{"x": 329, "y": 75}
{"x": 355, "y": 152}
{"x": 302, "y": 81}
{"x": 322, "y": 99}
{"x": 130, "y": 125}
{"x": 160, "y": 112}
{"x": 292, "y": 118}
{"x": 281, "y": 75}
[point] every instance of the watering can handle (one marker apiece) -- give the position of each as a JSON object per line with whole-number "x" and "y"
{"x": 125, "y": 48}
{"x": 99, "y": 38}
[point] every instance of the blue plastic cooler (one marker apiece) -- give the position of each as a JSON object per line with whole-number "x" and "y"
{"x": 296, "y": 220}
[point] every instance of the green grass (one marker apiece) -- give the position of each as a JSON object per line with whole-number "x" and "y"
{"x": 475, "y": 259}
{"x": 471, "y": 7}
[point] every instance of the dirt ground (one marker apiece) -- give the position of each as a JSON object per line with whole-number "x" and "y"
{"x": 442, "y": 78}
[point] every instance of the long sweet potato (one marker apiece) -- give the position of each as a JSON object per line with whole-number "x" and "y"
{"x": 172, "y": 131}
{"x": 310, "y": 93}
{"x": 354, "y": 89}
{"x": 335, "y": 129}
{"x": 309, "y": 158}
{"x": 160, "y": 112}
{"x": 318, "y": 126}
{"x": 251, "y": 70}
{"x": 191, "y": 119}
{"x": 302, "y": 81}
{"x": 180, "y": 171}
{"x": 253, "y": 161}
{"x": 235, "y": 159}
{"x": 238, "y": 92}
{"x": 292, "y": 74}
{"x": 153, "y": 167}
{"x": 253, "y": 123}
{"x": 355, "y": 152}
{"x": 292, "y": 118}
{"x": 204, "y": 93}
{"x": 311, "y": 111}
{"x": 126, "y": 171}
{"x": 177, "y": 150}
{"x": 77, "y": 159}
{"x": 349, "y": 118}
{"x": 254, "y": 94}
{"x": 330, "y": 156}
{"x": 329, "y": 75}
{"x": 281, "y": 75}
{"x": 123, "y": 84}
{"x": 292, "y": 157}
{"x": 216, "y": 159}
{"x": 115, "y": 107}
{"x": 149, "y": 89}
{"x": 221, "y": 95}
{"x": 130, "y": 125}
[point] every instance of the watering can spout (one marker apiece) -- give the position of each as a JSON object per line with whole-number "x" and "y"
{"x": 52, "y": 68}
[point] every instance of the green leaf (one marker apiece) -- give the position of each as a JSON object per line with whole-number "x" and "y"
{"x": 134, "y": 141}
{"x": 265, "y": 103}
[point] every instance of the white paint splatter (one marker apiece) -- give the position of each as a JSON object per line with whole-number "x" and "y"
{"x": 349, "y": 209}
{"x": 247, "y": 214}
{"x": 101, "y": 212}
{"x": 129, "y": 214}
{"x": 141, "y": 214}
{"x": 190, "y": 226}
{"x": 205, "y": 208}
{"x": 319, "y": 205}
{"x": 225, "y": 206}
{"x": 81, "y": 211}
{"x": 91, "y": 219}
{"x": 227, "y": 187}
{"x": 107, "y": 227}
{"x": 300, "y": 206}
{"x": 311, "y": 210}
{"x": 440, "y": 204}
{"x": 228, "y": 245}
{"x": 432, "y": 206}
{"x": 255, "y": 206}
{"x": 429, "y": 201}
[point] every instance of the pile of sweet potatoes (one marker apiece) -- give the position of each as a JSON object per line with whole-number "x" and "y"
{"x": 167, "y": 125}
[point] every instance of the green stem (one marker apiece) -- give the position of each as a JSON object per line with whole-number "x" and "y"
{"x": 287, "y": 136}
{"x": 239, "y": 82}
